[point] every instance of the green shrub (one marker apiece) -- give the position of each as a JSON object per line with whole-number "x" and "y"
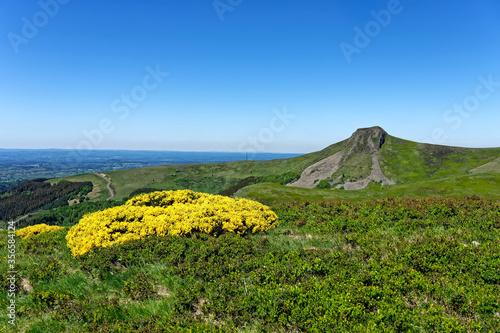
{"x": 282, "y": 179}
{"x": 49, "y": 298}
{"x": 323, "y": 185}
{"x": 91, "y": 311}
{"x": 46, "y": 271}
{"x": 45, "y": 243}
{"x": 140, "y": 287}
{"x": 159, "y": 324}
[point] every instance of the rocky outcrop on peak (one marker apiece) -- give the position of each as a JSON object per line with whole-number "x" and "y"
{"x": 364, "y": 144}
{"x": 366, "y": 140}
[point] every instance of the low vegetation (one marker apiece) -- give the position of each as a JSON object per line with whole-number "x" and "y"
{"x": 484, "y": 185}
{"x": 381, "y": 265}
{"x": 411, "y": 162}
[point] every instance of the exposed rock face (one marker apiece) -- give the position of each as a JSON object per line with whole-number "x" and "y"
{"x": 319, "y": 171}
{"x": 363, "y": 141}
{"x": 366, "y": 140}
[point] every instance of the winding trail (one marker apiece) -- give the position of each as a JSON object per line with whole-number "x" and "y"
{"x": 14, "y": 222}
{"x": 106, "y": 178}
{"x": 22, "y": 218}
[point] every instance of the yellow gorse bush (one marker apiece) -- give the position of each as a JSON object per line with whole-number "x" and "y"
{"x": 35, "y": 230}
{"x": 169, "y": 213}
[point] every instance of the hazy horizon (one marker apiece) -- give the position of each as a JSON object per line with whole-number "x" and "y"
{"x": 156, "y": 150}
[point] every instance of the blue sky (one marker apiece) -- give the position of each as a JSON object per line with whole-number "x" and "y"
{"x": 274, "y": 76}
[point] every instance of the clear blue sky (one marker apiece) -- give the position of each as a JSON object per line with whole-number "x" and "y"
{"x": 76, "y": 74}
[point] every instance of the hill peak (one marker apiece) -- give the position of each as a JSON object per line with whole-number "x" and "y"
{"x": 373, "y": 129}
{"x": 368, "y": 140}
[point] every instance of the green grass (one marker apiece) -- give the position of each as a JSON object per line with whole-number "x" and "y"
{"x": 383, "y": 265}
{"x": 412, "y": 162}
{"x": 357, "y": 167}
{"x": 484, "y": 185}
{"x": 269, "y": 193}
{"x": 68, "y": 279}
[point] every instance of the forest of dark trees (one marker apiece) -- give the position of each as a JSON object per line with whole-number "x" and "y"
{"x": 36, "y": 194}
{"x": 67, "y": 216}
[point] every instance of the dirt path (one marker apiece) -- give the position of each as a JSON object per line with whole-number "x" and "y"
{"x": 23, "y": 217}
{"x": 14, "y": 222}
{"x": 106, "y": 178}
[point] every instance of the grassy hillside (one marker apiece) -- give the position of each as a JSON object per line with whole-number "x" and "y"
{"x": 410, "y": 162}
{"x": 99, "y": 191}
{"x": 484, "y": 185}
{"x": 389, "y": 265}
{"x": 209, "y": 178}
{"x": 418, "y": 169}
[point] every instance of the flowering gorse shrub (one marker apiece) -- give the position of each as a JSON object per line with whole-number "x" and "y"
{"x": 169, "y": 213}
{"x": 35, "y": 230}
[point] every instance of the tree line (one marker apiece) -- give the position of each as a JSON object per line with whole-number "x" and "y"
{"x": 35, "y": 194}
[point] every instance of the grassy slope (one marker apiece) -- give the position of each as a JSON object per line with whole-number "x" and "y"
{"x": 210, "y": 178}
{"x": 491, "y": 167}
{"x": 394, "y": 265}
{"x": 483, "y": 185}
{"x": 418, "y": 169}
{"x": 99, "y": 193}
{"x": 409, "y": 162}
{"x": 355, "y": 168}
